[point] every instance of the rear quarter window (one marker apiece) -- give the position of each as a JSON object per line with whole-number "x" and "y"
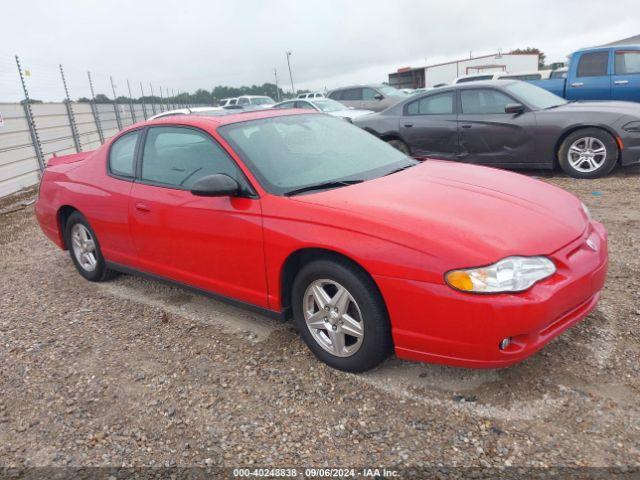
{"x": 122, "y": 155}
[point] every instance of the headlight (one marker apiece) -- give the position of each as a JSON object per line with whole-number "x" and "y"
{"x": 586, "y": 211}
{"x": 632, "y": 127}
{"x": 511, "y": 274}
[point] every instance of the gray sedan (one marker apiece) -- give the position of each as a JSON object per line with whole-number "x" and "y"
{"x": 512, "y": 124}
{"x": 325, "y": 105}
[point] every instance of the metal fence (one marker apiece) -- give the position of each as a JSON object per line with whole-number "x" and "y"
{"x": 32, "y": 131}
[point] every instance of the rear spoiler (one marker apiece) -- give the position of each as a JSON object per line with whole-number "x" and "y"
{"x": 75, "y": 157}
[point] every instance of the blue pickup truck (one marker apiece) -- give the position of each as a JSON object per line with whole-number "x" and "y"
{"x": 601, "y": 73}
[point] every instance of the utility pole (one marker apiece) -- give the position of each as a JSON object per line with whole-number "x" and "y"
{"x": 293, "y": 90}
{"x": 275, "y": 74}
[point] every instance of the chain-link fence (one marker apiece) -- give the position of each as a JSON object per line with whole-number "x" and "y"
{"x": 51, "y": 110}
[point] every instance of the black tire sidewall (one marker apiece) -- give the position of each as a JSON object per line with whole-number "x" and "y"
{"x": 99, "y": 273}
{"x": 395, "y": 143}
{"x": 607, "y": 140}
{"x": 376, "y": 344}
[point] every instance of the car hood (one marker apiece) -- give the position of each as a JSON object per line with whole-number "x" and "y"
{"x": 477, "y": 215}
{"x": 622, "y": 108}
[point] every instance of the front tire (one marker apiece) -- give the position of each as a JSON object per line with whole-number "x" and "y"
{"x": 588, "y": 153}
{"x": 84, "y": 249}
{"x": 400, "y": 145}
{"x": 340, "y": 315}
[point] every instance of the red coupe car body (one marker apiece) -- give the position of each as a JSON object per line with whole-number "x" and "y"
{"x": 406, "y": 230}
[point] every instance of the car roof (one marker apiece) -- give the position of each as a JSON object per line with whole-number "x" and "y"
{"x": 218, "y": 121}
{"x": 361, "y": 85}
{"x": 480, "y": 83}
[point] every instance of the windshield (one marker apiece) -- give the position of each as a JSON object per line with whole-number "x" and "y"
{"x": 291, "y": 152}
{"x": 328, "y": 105}
{"x": 390, "y": 91}
{"x": 262, "y": 101}
{"x": 536, "y": 97}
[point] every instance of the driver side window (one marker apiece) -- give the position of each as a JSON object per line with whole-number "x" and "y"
{"x": 178, "y": 157}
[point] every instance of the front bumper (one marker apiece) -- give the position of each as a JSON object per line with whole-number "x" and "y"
{"x": 434, "y": 323}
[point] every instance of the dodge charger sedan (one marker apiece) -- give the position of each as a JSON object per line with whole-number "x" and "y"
{"x": 512, "y": 124}
{"x": 303, "y": 215}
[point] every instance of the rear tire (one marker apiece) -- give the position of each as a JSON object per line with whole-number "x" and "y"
{"x": 588, "y": 153}
{"x": 351, "y": 331}
{"x": 84, "y": 249}
{"x": 400, "y": 145}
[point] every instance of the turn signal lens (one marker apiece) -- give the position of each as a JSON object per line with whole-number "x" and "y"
{"x": 460, "y": 280}
{"x": 511, "y": 274}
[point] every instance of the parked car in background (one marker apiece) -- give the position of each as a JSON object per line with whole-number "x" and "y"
{"x": 299, "y": 214}
{"x": 191, "y": 110}
{"x": 368, "y": 97}
{"x": 311, "y": 95}
{"x": 325, "y": 105}
{"x": 257, "y": 101}
{"x": 225, "y": 102}
{"x": 512, "y": 124}
{"x": 602, "y": 73}
{"x": 525, "y": 76}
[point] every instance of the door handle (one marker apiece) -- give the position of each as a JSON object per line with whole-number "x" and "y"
{"x": 466, "y": 126}
{"x": 577, "y": 84}
{"x": 408, "y": 125}
{"x": 141, "y": 207}
{"x": 621, "y": 82}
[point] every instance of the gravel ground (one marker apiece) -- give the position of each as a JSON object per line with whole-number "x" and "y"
{"x": 136, "y": 373}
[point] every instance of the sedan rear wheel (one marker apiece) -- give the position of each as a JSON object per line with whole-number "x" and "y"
{"x": 588, "y": 153}
{"x": 341, "y": 315}
{"x": 84, "y": 249}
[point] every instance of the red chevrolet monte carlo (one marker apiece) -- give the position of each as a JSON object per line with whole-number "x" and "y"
{"x": 305, "y": 215}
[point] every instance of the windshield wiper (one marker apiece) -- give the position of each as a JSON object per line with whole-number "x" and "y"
{"x": 322, "y": 186}
{"x": 400, "y": 169}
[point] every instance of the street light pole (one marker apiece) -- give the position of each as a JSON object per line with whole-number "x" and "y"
{"x": 293, "y": 91}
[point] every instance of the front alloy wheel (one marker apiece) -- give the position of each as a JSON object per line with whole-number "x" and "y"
{"x": 333, "y": 318}
{"x": 587, "y": 154}
{"x": 340, "y": 314}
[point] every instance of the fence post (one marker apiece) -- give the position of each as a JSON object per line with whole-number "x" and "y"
{"x": 133, "y": 113}
{"x": 72, "y": 120}
{"x": 144, "y": 109}
{"x": 115, "y": 104}
{"x": 95, "y": 111}
{"x": 32, "y": 125}
{"x": 153, "y": 100}
{"x": 161, "y": 100}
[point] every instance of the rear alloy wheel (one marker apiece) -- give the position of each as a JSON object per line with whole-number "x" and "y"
{"x": 400, "y": 145}
{"x": 588, "y": 153}
{"x": 84, "y": 249}
{"x": 340, "y": 314}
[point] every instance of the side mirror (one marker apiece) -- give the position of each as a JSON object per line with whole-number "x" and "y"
{"x": 216, "y": 185}
{"x": 516, "y": 108}
{"x": 378, "y": 97}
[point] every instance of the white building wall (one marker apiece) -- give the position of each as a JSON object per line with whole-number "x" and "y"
{"x": 446, "y": 73}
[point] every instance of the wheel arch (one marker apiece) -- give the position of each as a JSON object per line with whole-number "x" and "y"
{"x": 301, "y": 257}
{"x": 63, "y": 214}
{"x": 575, "y": 128}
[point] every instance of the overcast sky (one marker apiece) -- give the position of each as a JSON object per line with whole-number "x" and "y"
{"x": 191, "y": 44}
